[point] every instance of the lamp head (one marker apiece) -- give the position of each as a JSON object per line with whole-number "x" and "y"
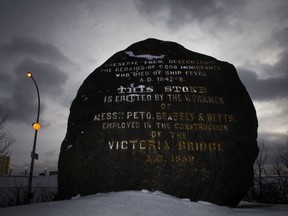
{"x": 29, "y": 74}
{"x": 36, "y": 126}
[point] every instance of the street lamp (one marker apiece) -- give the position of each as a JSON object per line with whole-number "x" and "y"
{"x": 36, "y": 127}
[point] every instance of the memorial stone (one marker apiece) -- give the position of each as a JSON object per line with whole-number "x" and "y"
{"x": 157, "y": 116}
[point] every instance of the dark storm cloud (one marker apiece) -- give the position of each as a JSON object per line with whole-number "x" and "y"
{"x": 41, "y": 18}
{"x": 276, "y": 85}
{"x": 18, "y": 97}
{"x": 264, "y": 89}
{"x": 282, "y": 38}
{"x": 20, "y": 47}
{"x": 5, "y": 80}
{"x": 182, "y": 11}
{"x": 48, "y": 75}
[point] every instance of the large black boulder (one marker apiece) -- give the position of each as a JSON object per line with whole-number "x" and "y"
{"x": 157, "y": 116}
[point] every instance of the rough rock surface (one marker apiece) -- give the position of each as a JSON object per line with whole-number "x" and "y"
{"x": 157, "y": 116}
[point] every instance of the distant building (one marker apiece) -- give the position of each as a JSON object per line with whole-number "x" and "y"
{"x": 4, "y": 164}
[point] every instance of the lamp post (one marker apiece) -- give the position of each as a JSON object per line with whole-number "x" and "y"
{"x": 36, "y": 127}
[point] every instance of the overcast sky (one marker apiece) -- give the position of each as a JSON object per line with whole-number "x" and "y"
{"x": 63, "y": 41}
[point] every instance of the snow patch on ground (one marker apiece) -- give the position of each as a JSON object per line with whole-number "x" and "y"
{"x": 146, "y": 56}
{"x": 132, "y": 203}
